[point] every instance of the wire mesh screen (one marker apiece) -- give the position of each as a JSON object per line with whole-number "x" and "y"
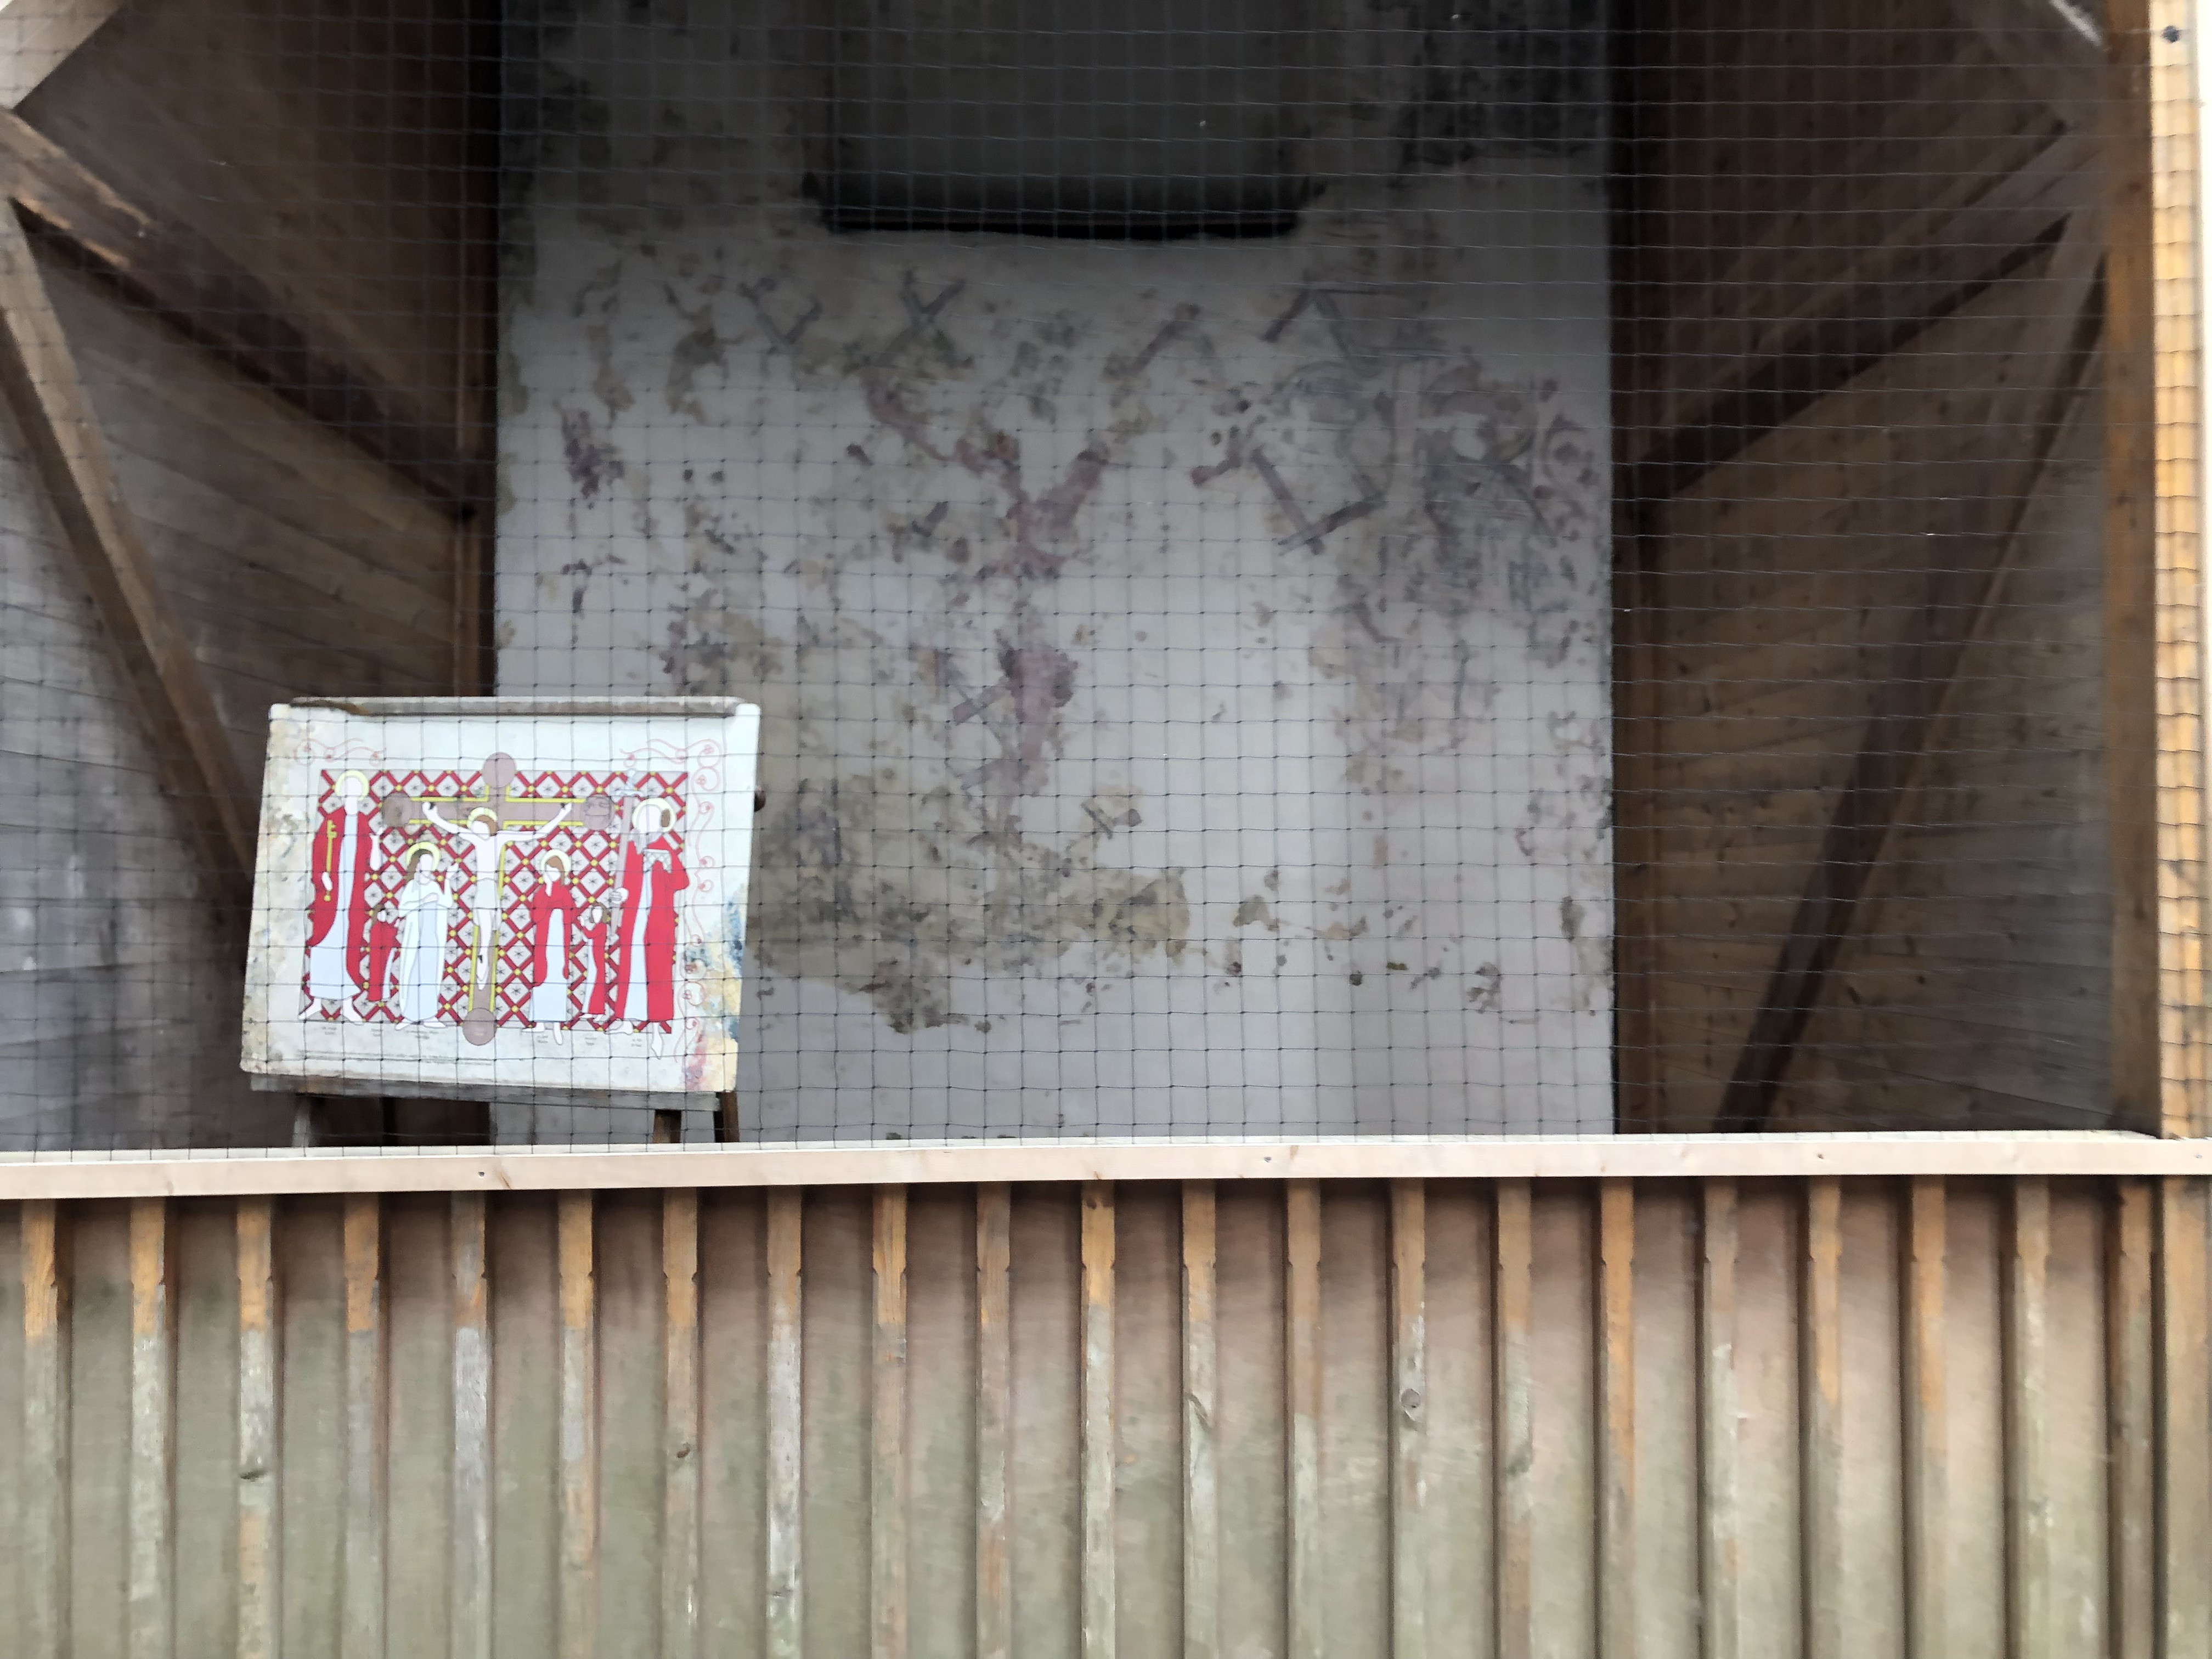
{"x": 1443, "y": 567}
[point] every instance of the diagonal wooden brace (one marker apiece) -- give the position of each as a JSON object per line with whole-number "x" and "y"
{"x": 193, "y": 756}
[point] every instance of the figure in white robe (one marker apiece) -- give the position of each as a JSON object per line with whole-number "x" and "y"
{"x": 425, "y": 915}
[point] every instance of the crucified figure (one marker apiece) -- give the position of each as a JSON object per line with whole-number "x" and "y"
{"x": 488, "y": 825}
{"x": 487, "y": 839}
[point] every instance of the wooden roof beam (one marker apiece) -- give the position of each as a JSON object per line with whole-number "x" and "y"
{"x": 180, "y": 276}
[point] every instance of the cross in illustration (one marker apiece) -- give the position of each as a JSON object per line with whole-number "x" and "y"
{"x": 490, "y": 821}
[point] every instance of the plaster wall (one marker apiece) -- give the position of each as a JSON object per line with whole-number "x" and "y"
{"x": 1184, "y": 665}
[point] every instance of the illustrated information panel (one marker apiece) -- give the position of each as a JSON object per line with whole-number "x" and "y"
{"x": 479, "y": 895}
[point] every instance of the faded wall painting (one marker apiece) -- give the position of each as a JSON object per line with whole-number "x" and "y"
{"x": 1183, "y": 664}
{"x": 564, "y": 912}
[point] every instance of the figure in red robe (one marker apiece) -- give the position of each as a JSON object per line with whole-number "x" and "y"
{"x": 597, "y": 935}
{"x": 645, "y": 944}
{"x": 552, "y": 922}
{"x": 383, "y": 939}
{"x": 337, "y": 911}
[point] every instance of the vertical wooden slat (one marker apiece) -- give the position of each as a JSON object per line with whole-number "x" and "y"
{"x": 1201, "y": 1491}
{"x": 150, "y": 1589}
{"x": 1925, "y": 1404}
{"x": 2153, "y": 599}
{"x": 1513, "y": 1465}
{"x": 679, "y": 1560}
{"x": 361, "y": 1617}
{"x": 781, "y": 1539}
{"x": 1302, "y": 1401}
{"x": 2130, "y": 1381}
{"x": 2180, "y": 872}
{"x": 580, "y": 1426}
{"x": 1720, "y": 1510}
{"x": 257, "y": 1535}
{"x": 471, "y": 1594}
{"x": 1097, "y": 1452}
{"x": 887, "y": 1471}
{"x": 1616, "y": 1427}
{"x": 2026, "y": 1378}
{"x": 2184, "y": 1465}
{"x": 994, "y": 1605}
{"x": 44, "y": 1506}
{"x": 1409, "y": 1417}
{"x": 1822, "y": 1422}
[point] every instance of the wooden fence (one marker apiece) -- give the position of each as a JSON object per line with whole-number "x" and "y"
{"x": 1833, "y": 1414}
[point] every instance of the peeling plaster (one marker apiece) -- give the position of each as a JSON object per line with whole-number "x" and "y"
{"x": 1092, "y": 593}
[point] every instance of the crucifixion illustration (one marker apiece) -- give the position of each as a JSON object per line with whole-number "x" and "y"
{"x": 487, "y": 821}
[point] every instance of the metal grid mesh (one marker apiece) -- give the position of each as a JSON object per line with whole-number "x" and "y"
{"x": 1423, "y": 568}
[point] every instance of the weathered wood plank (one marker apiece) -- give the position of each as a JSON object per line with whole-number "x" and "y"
{"x": 259, "y": 1563}
{"x": 361, "y": 1606}
{"x": 2153, "y": 627}
{"x": 679, "y": 1523}
{"x": 2172, "y": 40}
{"x": 151, "y": 1585}
{"x": 2057, "y": 328}
{"x": 1821, "y": 1424}
{"x": 470, "y": 1594}
{"x": 191, "y": 752}
{"x": 1854, "y": 304}
{"x": 1201, "y": 1404}
{"x": 170, "y": 269}
{"x": 1720, "y": 1514}
{"x": 1409, "y": 1418}
{"x": 43, "y": 1502}
{"x": 420, "y": 1543}
{"x": 2131, "y": 1434}
{"x": 1098, "y": 1433}
{"x": 887, "y": 1461}
{"x": 1514, "y": 1435}
{"x": 994, "y": 1605}
{"x": 1925, "y": 1404}
{"x": 579, "y": 1566}
{"x": 1148, "y": 1419}
{"x": 2184, "y": 1440}
{"x": 1615, "y": 1339}
{"x": 784, "y": 1603}
{"x": 2028, "y": 1419}
{"x": 733, "y": 1284}
{"x": 1302, "y": 1396}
